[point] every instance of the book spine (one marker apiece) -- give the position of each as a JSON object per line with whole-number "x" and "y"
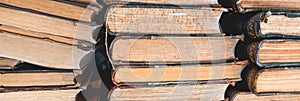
{"x": 252, "y": 51}
{"x": 253, "y": 28}
{"x": 230, "y": 93}
{"x": 251, "y": 78}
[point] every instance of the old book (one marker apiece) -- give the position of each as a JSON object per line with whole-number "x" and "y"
{"x": 272, "y": 53}
{"x": 23, "y": 78}
{"x": 139, "y": 20}
{"x": 238, "y": 92}
{"x": 211, "y": 92}
{"x": 56, "y": 8}
{"x": 274, "y": 80}
{"x": 268, "y": 4}
{"x": 43, "y": 95}
{"x": 39, "y": 35}
{"x": 180, "y": 73}
{"x": 6, "y": 63}
{"x": 87, "y": 2}
{"x": 238, "y": 5}
{"x": 168, "y": 2}
{"x": 172, "y": 50}
{"x": 41, "y": 52}
{"x": 14, "y": 19}
{"x": 249, "y": 96}
{"x": 274, "y": 25}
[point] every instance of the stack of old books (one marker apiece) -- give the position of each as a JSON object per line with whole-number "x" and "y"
{"x": 149, "y": 50}
{"x": 274, "y": 52}
{"x": 44, "y": 44}
{"x": 203, "y": 49}
{"x": 173, "y": 50}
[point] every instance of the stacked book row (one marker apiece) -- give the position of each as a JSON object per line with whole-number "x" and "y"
{"x": 202, "y": 50}
{"x": 44, "y": 47}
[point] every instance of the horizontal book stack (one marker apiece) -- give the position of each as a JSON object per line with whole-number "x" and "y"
{"x": 149, "y": 50}
{"x": 202, "y": 50}
{"x": 38, "y": 83}
{"x": 274, "y": 53}
{"x": 44, "y": 45}
{"x": 161, "y": 51}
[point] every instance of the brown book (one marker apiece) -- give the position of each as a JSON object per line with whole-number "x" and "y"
{"x": 90, "y": 2}
{"x": 23, "y": 78}
{"x": 238, "y": 5}
{"x": 123, "y": 20}
{"x": 272, "y": 53}
{"x": 43, "y": 26}
{"x": 127, "y": 75}
{"x": 172, "y": 50}
{"x": 168, "y": 2}
{"x": 41, "y": 95}
{"x": 238, "y": 92}
{"x": 269, "y": 4}
{"x": 56, "y": 8}
{"x": 211, "y": 92}
{"x": 41, "y": 52}
{"x": 249, "y": 96}
{"x": 274, "y": 81}
{"x": 274, "y": 25}
{"x": 39, "y": 35}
